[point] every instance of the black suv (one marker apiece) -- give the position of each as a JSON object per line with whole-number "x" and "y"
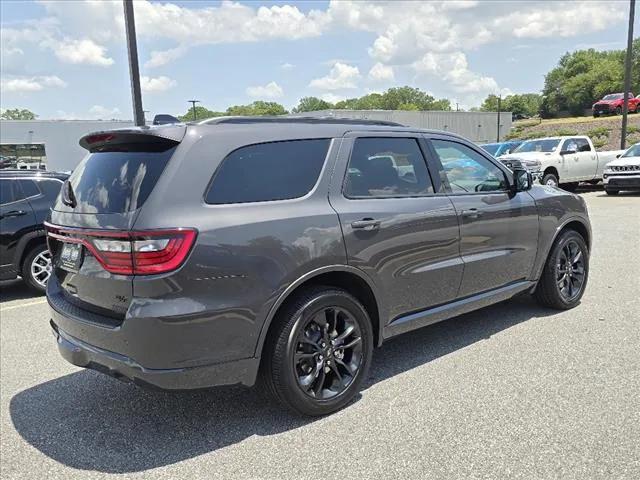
{"x": 285, "y": 250}
{"x": 26, "y": 198}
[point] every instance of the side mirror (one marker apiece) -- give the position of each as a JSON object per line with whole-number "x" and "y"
{"x": 568, "y": 152}
{"x": 522, "y": 180}
{"x": 618, "y": 155}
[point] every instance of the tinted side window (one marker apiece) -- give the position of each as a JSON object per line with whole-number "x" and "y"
{"x": 583, "y": 145}
{"x": 387, "y": 167}
{"x": 6, "y": 192}
{"x": 29, "y": 188}
{"x": 466, "y": 170}
{"x": 268, "y": 171}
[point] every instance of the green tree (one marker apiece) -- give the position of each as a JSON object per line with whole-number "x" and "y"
{"x": 18, "y": 114}
{"x": 202, "y": 113}
{"x": 526, "y": 104}
{"x": 398, "y": 98}
{"x": 584, "y": 76}
{"x": 311, "y": 104}
{"x": 257, "y": 108}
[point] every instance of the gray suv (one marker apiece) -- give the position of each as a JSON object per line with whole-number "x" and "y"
{"x": 284, "y": 250}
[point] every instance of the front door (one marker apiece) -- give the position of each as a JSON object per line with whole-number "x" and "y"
{"x": 396, "y": 228}
{"x": 16, "y": 219}
{"x": 498, "y": 230}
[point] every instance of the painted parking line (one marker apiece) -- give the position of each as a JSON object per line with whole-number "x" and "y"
{"x": 29, "y": 304}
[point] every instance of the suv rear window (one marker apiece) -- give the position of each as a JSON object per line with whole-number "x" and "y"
{"x": 116, "y": 182}
{"x": 268, "y": 171}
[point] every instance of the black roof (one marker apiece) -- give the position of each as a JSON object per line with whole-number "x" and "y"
{"x": 21, "y": 173}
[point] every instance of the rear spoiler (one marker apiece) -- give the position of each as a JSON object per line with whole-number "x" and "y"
{"x": 158, "y": 137}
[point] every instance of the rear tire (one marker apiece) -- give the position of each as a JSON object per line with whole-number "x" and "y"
{"x": 315, "y": 376}
{"x": 565, "y": 274}
{"x": 618, "y": 110}
{"x": 36, "y": 268}
{"x": 550, "y": 179}
{"x": 612, "y": 192}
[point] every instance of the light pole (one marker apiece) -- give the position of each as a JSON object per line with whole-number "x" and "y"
{"x": 193, "y": 106}
{"x": 627, "y": 75}
{"x": 498, "y": 124}
{"x": 134, "y": 71}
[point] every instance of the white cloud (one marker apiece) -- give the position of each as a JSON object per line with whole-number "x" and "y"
{"x": 156, "y": 84}
{"x": 160, "y": 58}
{"x": 103, "y": 113}
{"x": 341, "y": 76}
{"x": 31, "y": 84}
{"x": 83, "y": 51}
{"x": 287, "y": 66}
{"x": 332, "y": 97}
{"x": 270, "y": 90}
{"x": 381, "y": 73}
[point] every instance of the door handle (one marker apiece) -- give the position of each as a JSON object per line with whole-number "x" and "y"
{"x": 366, "y": 224}
{"x": 13, "y": 213}
{"x": 472, "y": 213}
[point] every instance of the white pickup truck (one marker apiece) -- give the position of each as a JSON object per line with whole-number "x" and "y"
{"x": 564, "y": 161}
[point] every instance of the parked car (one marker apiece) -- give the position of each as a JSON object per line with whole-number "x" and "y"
{"x": 502, "y": 148}
{"x": 614, "y": 103}
{"x": 565, "y": 161}
{"x": 286, "y": 249}
{"x": 624, "y": 172}
{"x": 26, "y": 197}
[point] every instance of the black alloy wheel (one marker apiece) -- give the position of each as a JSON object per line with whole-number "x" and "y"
{"x": 328, "y": 353}
{"x": 318, "y": 352}
{"x": 570, "y": 271}
{"x": 565, "y": 273}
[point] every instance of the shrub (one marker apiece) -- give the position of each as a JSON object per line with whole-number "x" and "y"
{"x": 599, "y": 132}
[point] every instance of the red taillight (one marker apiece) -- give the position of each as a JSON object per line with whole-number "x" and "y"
{"x": 132, "y": 253}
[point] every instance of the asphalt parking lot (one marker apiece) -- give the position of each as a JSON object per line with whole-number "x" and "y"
{"x": 511, "y": 391}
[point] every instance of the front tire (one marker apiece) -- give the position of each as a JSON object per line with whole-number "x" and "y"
{"x": 612, "y": 192}
{"x": 36, "y": 268}
{"x": 565, "y": 274}
{"x": 317, "y": 357}
{"x": 550, "y": 179}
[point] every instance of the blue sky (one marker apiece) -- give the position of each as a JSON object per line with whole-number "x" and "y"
{"x": 68, "y": 59}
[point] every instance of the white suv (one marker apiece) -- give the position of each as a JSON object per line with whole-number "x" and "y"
{"x": 623, "y": 173}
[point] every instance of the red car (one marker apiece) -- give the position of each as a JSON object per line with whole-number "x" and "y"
{"x": 614, "y": 103}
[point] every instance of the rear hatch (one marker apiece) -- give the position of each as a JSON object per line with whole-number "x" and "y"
{"x": 90, "y": 231}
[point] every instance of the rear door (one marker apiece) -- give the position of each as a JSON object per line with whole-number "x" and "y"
{"x": 16, "y": 220}
{"x": 91, "y": 219}
{"x": 398, "y": 228}
{"x": 498, "y": 230}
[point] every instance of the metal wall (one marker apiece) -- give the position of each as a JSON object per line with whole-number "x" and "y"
{"x": 480, "y": 127}
{"x": 60, "y": 137}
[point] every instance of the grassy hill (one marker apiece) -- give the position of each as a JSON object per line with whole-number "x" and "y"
{"x": 605, "y": 132}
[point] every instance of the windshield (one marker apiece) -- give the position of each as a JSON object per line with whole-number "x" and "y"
{"x": 538, "y": 146}
{"x": 491, "y": 148}
{"x": 613, "y": 96}
{"x": 633, "y": 151}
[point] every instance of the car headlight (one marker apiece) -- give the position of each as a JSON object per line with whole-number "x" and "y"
{"x": 533, "y": 165}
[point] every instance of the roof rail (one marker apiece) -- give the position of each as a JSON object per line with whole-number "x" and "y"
{"x": 307, "y": 120}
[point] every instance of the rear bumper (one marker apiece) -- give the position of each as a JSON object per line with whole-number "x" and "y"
{"x": 124, "y": 368}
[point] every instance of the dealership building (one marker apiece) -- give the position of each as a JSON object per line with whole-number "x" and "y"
{"x": 53, "y": 144}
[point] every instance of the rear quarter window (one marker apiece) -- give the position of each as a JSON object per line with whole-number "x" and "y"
{"x": 268, "y": 171}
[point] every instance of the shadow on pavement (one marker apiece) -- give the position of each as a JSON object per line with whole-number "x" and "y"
{"x": 89, "y": 421}
{"x": 16, "y": 290}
